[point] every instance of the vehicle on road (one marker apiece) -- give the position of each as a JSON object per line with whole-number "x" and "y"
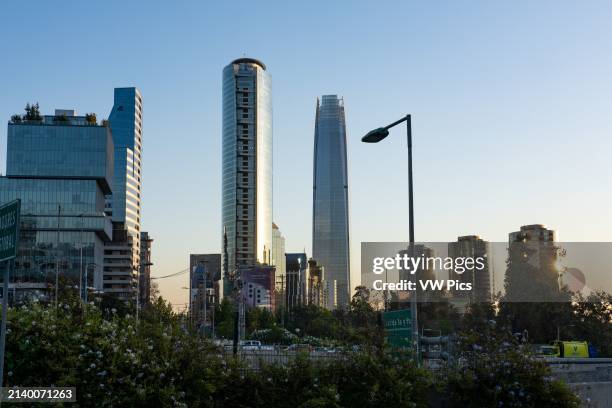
{"x": 563, "y": 349}
{"x": 300, "y": 348}
{"x": 249, "y": 345}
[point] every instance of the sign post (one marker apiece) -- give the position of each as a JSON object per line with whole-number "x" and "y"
{"x": 398, "y": 328}
{"x": 9, "y": 239}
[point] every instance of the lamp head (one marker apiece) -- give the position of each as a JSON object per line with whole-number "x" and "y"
{"x": 375, "y": 136}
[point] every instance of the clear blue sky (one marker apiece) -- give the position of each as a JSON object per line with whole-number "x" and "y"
{"x": 512, "y": 105}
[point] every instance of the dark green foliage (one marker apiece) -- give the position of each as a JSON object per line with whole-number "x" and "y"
{"x": 357, "y": 381}
{"x": 591, "y": 320}
{"x": 494, "y": 369}
{"x": 114, "y": 360}
{"x": 32, "y": 112}
{"x": 91, "y": 119}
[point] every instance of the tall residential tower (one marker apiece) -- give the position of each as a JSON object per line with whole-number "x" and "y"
{"x": 123, "y": 254}
{"x": 247, "y": 165}
{"x": 330, "y": 216}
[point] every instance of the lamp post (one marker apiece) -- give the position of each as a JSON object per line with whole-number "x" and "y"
{"x": 80, "y": 216}
{"x": 93, "y": 266}
{"x": 376, "y": 136}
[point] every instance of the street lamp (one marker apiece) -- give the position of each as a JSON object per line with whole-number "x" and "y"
{"x": 93, "y": 267}
{"x": 376, "y": 136}
{"x": 81, "y": 296}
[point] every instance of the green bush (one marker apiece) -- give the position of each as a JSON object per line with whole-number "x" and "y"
{"x": 494, "y": 369}
{"x": 114, "y": 360}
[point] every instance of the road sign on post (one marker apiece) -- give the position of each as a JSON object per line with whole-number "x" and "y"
{"x": 398, "y": 328}
{"x": 9, "y": 229}
{"x": 9, "y": 239}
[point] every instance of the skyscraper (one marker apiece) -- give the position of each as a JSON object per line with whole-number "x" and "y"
{"x": 247, "y": 164}
{"x": 532, "y": 273}
{"x": 471, "y": 246}
{"x": 126, "y": 126}
{"x": 125, "y": 121}
{"x": 330, "y": 216}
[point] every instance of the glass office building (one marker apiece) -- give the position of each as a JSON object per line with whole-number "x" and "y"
{"x": 61, "y": 168}
{"x": 247, "y": 164}
{"x": 126, "y": 125}
{"x": 330, "y": 223}
{"x": 123, "y": 254}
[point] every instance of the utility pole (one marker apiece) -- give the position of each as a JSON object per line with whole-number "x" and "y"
{"x": 81, "y": 262}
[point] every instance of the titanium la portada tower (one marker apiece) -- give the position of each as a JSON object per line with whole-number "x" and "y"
{"x": 247, "y": 165}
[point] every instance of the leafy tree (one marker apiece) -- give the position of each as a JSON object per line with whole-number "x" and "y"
{"x": 592, "y": 321}
{"x": 224, "y": 319}
{"x": 16, "y": 119}
{"x": 259, "y": 318}
{"x": 495, "y": 370}
{"x": 32, "y": 112}
{"x": 91, "y": 118}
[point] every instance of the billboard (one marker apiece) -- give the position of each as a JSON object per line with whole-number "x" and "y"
{"x": 258, "y": 283}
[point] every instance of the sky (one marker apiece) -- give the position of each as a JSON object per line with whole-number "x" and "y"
{"x": 511, "y": 107}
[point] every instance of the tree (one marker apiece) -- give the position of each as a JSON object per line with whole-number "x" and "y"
{"x": 592, "y": 321}
{"x": 16, "y": 119}
{"x": 91, "y": 118}
{"x": 494, "y": 369}
{"x": 224, "y": 319}
{"x": 32, "y": 112}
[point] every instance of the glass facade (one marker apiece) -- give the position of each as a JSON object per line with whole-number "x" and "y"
{"x": 330, "y": 224}
{"x": 126, "y": 124}
{"x": 61, "y": 174}
{"x": 247, "y": 163}
{"x": 60, "y": 151}
{"x": 123, "y": 254}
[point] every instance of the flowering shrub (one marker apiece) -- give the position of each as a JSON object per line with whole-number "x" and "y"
{"x": 111, "y": 362}
{"x": 114, "y": 360}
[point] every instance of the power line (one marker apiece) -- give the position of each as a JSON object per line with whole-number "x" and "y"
{"x": 181, "y": 272}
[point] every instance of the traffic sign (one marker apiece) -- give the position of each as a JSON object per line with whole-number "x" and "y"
{"x": 9, "y": 229}
{"x": 398, "y": 328}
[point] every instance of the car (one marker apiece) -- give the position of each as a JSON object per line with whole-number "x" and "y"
{"x": 327, "y": 349}
{"x": 250, "y": 345}
{"x": 299, "y": 348}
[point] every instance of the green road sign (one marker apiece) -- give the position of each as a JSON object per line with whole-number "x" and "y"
{"x": 9, "y": 229}
{"x": 398, "y": 328}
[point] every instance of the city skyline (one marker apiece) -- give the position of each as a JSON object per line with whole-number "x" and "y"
{"x": 508, "y": 123}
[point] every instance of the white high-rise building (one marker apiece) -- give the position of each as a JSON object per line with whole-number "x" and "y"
{"x": 247, "y": 165}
